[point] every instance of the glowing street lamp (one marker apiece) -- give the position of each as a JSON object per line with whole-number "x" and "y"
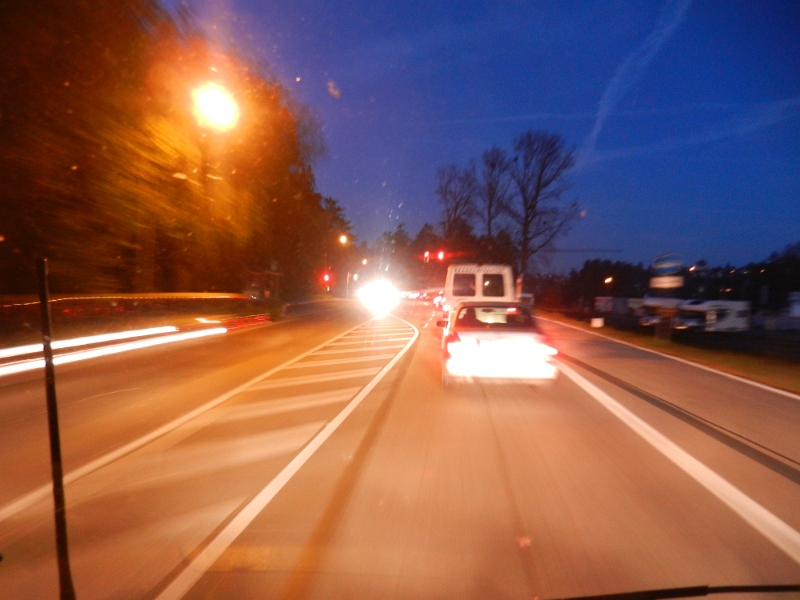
{"x": 608, "y": 280}
{"x": 343, "y": 239}
{"x": 214, "y": 107}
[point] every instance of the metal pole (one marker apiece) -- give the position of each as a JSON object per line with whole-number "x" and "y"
{"x": 67, "y": 590}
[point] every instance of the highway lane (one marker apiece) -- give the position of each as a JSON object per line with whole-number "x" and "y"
{"x": 135, "y": 519}
{"x": 717, "y": 418}
{"x": 486, "y": 491}
{"x": 107, "y": 402}
{"x": 508, "y": 492}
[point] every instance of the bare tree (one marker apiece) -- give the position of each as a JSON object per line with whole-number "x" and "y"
{"x": 493, "y": 189}
{"x": 538, "y": 171}
{"x": 456, "y": 189}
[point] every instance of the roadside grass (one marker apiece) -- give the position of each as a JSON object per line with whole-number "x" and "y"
{"x": 775, "y": 372}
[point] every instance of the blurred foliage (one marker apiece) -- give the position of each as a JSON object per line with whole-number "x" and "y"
{"x": 581, "y": 287}
{"x": 105, "y": 170}
{"x": 766, "y": 285}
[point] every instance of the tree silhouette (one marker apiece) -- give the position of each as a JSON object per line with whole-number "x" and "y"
{"x": 538, "y": 171}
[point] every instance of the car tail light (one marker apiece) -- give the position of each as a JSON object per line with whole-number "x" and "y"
{"x": 450, "y": 338}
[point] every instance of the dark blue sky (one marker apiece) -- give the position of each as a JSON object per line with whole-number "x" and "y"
{"x": 685, "y": 115}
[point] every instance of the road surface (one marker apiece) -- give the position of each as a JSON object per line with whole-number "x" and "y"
{"x": 321, "y": 458}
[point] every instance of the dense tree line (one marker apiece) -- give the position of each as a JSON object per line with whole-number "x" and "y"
{"x": 106, "y": 170}
{"x": 766, "y": 284}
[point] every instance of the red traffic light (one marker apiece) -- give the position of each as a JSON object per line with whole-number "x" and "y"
{"x": 326, "y": 277}
{"x": 440, "y": 256}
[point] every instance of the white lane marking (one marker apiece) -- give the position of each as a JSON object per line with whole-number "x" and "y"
{"x": 206, "y": 558}
{"x": 378, "y": 332}
{"x": 26, "y": 500}
{"x": 291, "y": 404}
{"x": 364, "y": 341}
{"x": 63, "y": 359}
{"x": 361, "y": 336}
{"x": 105, "y": 394}
{"x": 770, "y": 526}
{"x": 367, "y": 349}
{"x": 196, "y": 459}
{"x": 757, "y": 384}
{"x": 309, "y": 379}
{"x": 339, "y": 361}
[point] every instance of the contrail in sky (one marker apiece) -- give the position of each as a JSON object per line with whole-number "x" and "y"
{"x": 763, "y": 115}
{"x": 632, "y": 69}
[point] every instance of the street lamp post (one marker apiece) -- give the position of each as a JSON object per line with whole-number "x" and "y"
{"x": 215, "y": 109}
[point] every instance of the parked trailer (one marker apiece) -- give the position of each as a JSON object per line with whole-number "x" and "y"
{"x": 713, "y": 315}
{"x": 653, "y": 310}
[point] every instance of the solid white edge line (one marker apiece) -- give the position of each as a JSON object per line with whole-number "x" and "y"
{"x": 203, "y": 561}
{"x": 757, "y": 384}
{"x": 774, "y": 529}
{"x": 41, "y": 492}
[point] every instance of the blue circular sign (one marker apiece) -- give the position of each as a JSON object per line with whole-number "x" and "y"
{"x": 667, "y": 264}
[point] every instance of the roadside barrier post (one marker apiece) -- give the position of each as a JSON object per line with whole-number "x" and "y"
{"x": 66, "y": 588}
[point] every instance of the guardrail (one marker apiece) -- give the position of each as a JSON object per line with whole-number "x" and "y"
{"x": 81, "y": 314}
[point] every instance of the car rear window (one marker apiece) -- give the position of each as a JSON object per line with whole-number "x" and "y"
{"x": 495, "y": 317}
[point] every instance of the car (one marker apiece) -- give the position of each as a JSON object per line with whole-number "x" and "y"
{"x": 496, "y": 342}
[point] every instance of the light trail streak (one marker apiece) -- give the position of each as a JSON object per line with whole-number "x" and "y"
{"x": 63, "y": 359}
{"x": 86, "y": 340}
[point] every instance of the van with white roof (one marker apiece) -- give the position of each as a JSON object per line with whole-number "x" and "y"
{"x": 473, "y": 282}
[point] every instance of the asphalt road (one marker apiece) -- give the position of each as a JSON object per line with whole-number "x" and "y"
{"x": 324, "y": 460}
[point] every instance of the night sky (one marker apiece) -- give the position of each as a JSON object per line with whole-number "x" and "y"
{"x": 685, "y": 116}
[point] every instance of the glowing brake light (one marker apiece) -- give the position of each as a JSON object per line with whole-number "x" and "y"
{"x": 511, "y": 309}
{"x": 451, "y": 338}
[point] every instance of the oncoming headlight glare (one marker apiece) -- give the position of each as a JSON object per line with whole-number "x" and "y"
{"x": 379, "y": 297}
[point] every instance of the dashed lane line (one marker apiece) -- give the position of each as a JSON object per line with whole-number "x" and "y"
{"x": 339, "y": 361}
{"x": 364, "y": 349}
{"x": 403, "y": 339}
{"x": 310, "y": 379}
